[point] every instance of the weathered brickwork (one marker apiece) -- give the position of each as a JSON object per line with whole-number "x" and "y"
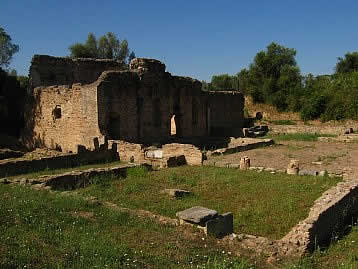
{"x": 192, "y": 155}
{"x": 48, "y": 70}
{"x": 136, "y": 105}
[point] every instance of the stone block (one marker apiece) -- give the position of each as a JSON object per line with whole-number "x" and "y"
{"x": 323, "y": 173}
{"x": 293, "y": 167}
{"x": 197, "y": 214}
{"x": 259, "y": 133}
{"x": 220, "y": 226}
{"x": 245, "y": 163}
{"x": 264, "y": 128}
{"x": 177, "y": 193}
{"x": 308, "y": 173}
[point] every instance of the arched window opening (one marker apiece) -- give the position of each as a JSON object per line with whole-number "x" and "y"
{"x": 173, "y": 127}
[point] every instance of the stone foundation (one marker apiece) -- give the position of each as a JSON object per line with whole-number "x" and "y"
{"x": 14, "y": 167}
{"x": 334, "y": 209}
{"x": 168, "y": 155}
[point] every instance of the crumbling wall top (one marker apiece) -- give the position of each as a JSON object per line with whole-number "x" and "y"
{"x": 147, "y": 65}
{"x": 47, "y": 70}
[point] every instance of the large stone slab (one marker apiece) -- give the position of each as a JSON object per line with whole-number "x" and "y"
{"x": 220, "y": 226}
{"x": 197, "y": 214}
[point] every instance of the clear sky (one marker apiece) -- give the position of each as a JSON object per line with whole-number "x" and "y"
{"x": 193, "y": 38}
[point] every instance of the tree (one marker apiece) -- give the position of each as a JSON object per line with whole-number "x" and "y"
{"x": 79, "y": 50}
{"x": 91, "y": 44}
{"x": 106, "y": 47}
{"x": 347, "y": 64}
{"x": 273, "y": 76}
{"x": 131, "y": 56}
{"x": 7, "y": 48}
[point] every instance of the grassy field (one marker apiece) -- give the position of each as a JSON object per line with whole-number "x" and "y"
{"x": 257, "y": 200}
{"x": 282, "y": 122}
{"x": 298, "y": 137}
{"x": 47, "y": 230}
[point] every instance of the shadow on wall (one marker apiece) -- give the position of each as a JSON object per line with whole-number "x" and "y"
{"x": 28, "y": 138}
{"x": 12, "y": 100}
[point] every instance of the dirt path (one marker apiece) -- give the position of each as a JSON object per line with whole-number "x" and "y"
{"x": 335, "y": 157}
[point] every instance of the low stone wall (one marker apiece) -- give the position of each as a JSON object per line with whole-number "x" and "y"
{"x": 192, "y": 154}
{"x": 128, "y": 152}
{"x": 71, "y": 180}
{"x": 241, "y": 144}
{"x": 169, "y": 153}
{"x": 335, "y": 208}
{"x": 321, "y": 129}
{"x": 16, "y": 167}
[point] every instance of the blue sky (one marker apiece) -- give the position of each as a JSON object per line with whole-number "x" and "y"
{"x": 193, "y": 38}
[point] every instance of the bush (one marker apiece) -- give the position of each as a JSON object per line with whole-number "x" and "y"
{"x": 314, "y": 108}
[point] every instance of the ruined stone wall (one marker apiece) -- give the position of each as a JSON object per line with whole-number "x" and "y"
{"x": 48, "y": 70}
{"x": 326, "y": 218}
{"x": 14, "y": 167}
{"x": 193, "y": 155}
{"x": 64, "y": 118}
{"x": 136, "y": 105}
{"x": 226, "y": 113}
{"x": 128, "y": 152}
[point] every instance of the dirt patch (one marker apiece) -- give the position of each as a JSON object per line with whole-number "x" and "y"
{"x": 83, "y": 214}
{"x": 334, "y": 157}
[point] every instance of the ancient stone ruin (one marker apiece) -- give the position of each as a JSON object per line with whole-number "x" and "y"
{"x": 81, "y": 103}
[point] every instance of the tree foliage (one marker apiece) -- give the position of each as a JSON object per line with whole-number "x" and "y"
{"x": 223, "y": 82}
{"x": 347, "y": 64}
{"x": 273, "y": 75}
{"x": 7, "y": 49}
{"x": 106, "y": 47}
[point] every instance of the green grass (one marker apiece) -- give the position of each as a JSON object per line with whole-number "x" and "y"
{"x": 298, "y": 137}
{"x": 40, "y": 229}
{"x": 282, "y": 122}
{"x": 257, "y": 200}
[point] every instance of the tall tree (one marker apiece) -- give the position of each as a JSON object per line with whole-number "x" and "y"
{"x": 7, "y": 48}
{"x": 79, "y": 50}
{"x": 347, "y": 64}
{"x": 91, "y": 44}
{"x": 131, "y": 56}
{"x": 106, "y": 47}
{"x": 273, "y": 74}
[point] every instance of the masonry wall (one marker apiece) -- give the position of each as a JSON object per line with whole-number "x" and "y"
{"x": 136, "y": 105}
{"x": 193, "y": 155}
{"x": 64, "y": 118}
{"x": 336, "y": 207}
{"x": 48, "y": 70}
{"x": 226, "y": 113}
